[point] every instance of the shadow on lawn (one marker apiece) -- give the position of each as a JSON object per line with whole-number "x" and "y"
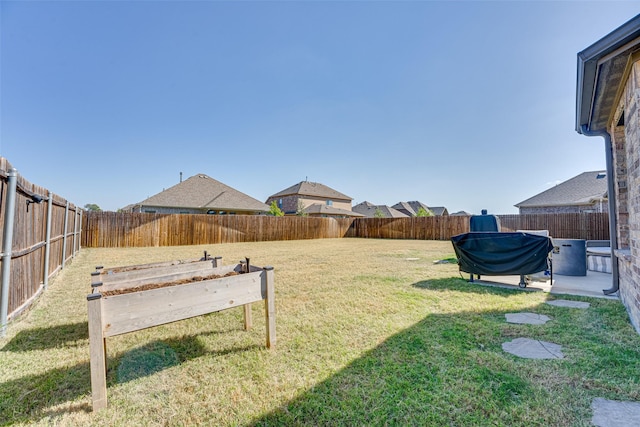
{"x": 447, "y": 369}
{"x": 67, "y": 335}
{"x": 30, "y": 397}
{"x": 463, "y": 285}
{"x": 444, "y": 370}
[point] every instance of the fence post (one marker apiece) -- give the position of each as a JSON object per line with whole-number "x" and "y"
{"x": 7, "y": 242}
{"x": 75, "y": 232}
{"x": 80, "y": 230}
{"x": 47, "y": 246}
{"x": 64, "y": 234}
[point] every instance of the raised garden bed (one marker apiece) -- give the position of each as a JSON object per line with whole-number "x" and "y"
{"x": 128, "y": 299}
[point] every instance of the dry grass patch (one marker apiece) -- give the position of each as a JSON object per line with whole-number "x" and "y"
{"x": 370, "y": 332}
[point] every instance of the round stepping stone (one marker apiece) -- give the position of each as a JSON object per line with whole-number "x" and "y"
{"x": 568, "y": 303}
{"x": 527, "y": 318}
{"x": 612, "y": 413}
{"x": 533, "y": 349}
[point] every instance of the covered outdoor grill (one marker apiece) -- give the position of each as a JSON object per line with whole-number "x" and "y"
{"x": 502, "y": 253}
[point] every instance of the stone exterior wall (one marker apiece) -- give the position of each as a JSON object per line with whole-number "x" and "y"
{"x": 626, "y": 147}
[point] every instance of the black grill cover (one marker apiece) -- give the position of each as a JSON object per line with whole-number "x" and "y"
{"x": 484, "y": 223}
{"x": 500, "y": 254}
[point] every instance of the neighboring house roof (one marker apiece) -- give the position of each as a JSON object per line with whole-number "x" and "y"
{"x": 405, "y": 208}
{"x": 413, "y": 207}
{"x": 601, "y": 69}
{"x": 203, "y": 192}
{"x": 312, "y": 189}
{"x": 322, "y": 209}
{"x": 365, "y": 203}
{"x": 461, "y": 213}
{"x": 439, "y": 210}
{"x": 369, "y": 210}
{"x": 583, "y": 189}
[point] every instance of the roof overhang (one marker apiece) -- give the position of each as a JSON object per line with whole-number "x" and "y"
{"x": 601, "y": 71}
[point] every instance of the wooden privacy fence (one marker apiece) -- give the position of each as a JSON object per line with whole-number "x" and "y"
{"x": 40, "y": 232}
{"x": 112, "y": 229}
{"x": 421, "y": 228}
{"x": 588, "y": 226}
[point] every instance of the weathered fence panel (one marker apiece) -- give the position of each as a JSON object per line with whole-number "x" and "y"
{"x": 111, "y": 229}
{"x": 588, "y": 226}
{"x": 39, "y": 244}
{"x": 422, "y": 228}
{"x": 114, "y": 229}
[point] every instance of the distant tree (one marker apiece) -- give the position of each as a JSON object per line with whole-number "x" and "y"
{"x": 378, "y": 213}
{"x": 92, "y": 207}
{"x": 274, "y": 210}
{"x": 300, "y": 210}
{"x": 423, "y": 212}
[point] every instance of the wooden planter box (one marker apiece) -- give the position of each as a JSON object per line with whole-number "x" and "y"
{"x": 128, "y": 299}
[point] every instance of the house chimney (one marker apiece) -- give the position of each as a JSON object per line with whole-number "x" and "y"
{"x": 180, "y": 176}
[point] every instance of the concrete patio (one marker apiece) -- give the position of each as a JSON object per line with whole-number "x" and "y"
{"x": 590, "y": 285}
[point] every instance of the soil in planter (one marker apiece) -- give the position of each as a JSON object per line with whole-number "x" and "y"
{"x": 167, "y": 284}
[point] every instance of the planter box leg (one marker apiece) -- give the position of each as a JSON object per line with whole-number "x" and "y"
{"x": 270, "y": 306}
{"x": 97, "y": 352}
{"x": 248, "y": 319}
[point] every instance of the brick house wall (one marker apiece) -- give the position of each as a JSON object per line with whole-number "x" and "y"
{"x": 168, "y": 210}
{"x": 600, "y": 206}
{"x": 626, "y": 166}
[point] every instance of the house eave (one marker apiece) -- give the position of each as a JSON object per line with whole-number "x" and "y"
{"x": 202, "y": 208}
{"x": 605, "y": 56}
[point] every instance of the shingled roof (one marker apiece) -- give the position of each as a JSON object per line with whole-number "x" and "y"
{"x": 312, "y": 189}
{"x": 579, "y": 190}
{"x": 203, "y": 192}
{"x": 369, "y": 210}
{"x": 319, "y": 209}
{"x": 439, "y": 210}
{"x": 413, "y": 207}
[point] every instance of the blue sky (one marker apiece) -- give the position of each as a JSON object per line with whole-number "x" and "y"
{"x": 467, "y": 105}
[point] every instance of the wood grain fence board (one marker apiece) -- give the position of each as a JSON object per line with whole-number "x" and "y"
{"x": 29, "y": 237}
{"x": 109, "y": 229}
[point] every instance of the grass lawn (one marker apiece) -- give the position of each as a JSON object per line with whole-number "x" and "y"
{"x": 369, "y": 332}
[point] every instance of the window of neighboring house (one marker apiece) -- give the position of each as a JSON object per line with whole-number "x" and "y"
{"x": 149, "y": 211}
{"x": 211, "y": 212}
{"x": 280, "y": 203}
{"x": 329, "y": 202}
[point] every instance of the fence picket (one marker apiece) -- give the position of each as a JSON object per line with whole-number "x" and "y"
{"x": 31, "y": 264}
{"x": 111, "y": 229}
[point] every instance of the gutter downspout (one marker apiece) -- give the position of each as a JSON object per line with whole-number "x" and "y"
{"x": 613, "y": 219}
